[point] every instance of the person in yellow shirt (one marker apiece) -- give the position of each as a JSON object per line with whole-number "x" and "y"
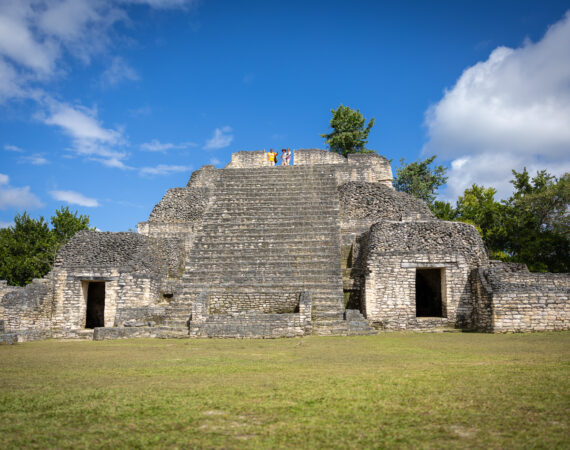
{"x": 272, "y": 157}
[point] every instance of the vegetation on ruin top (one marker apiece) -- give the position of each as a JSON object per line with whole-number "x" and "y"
{"x": 455, "y": 390}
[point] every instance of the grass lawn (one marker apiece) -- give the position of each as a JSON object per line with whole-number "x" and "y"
{"x": 463, "y": 390}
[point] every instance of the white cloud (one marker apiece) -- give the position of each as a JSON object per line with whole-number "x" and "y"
{"x": 157, "y": 146}
{"x": 164, "y": 4}
{"x": 37, "y": 40}
{"x": 510, "y": 111}
{"x": 222, "y": 138}
{"x": 36, "y": 159}
{"x": 16, "y": 197}
{"x": 74, "y": 198}
{"x": 117, "y": 72}
{"x": 215, "y": 161}
{"x": 6, "y": 224}
{"x": 9, "y": 81}
{"x": 13, "y": 148}
{"x": 18, "y": 43}
{"x": 90, "y": 138}
{"x": 164, "y": 169}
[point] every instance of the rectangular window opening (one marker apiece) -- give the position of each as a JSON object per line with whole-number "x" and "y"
{"x": 429, "y": 288}
{"x": 95, "y": 316}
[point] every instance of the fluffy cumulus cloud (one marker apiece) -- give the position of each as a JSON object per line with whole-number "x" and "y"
{"x": 163, "y": 169}
{"x": 222, "y": 138}
{"x": 508, "y": 112}
{"x": 16, "y": 197}
{"x": 74, "y": 198}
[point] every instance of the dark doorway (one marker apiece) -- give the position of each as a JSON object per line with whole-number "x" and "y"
{"x": 428, "y": 293}
{"x": 95, "y": 305}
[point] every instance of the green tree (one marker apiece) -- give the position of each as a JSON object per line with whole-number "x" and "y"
{"x": 419, "y": 179}
{"x": 28, "y": 248}
{"x": 25, "y": 250}
{"x": 537, "y": 223}
{"x": 66, "y": 224}
{"x": 349, "y": 135}
{"x": 531, "y": 227}
{"x": 444, "y": 210}
{"x": 478, "y": 206}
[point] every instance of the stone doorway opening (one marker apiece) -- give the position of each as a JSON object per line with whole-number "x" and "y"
{"x": 95, "y": 316}
{"x": 429, "y": 288}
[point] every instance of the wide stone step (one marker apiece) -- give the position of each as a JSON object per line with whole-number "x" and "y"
{"x": 258, "y": 241}
{"x": 277, "y": 233}
{"x": 270, "y": 221}
{"x": 299, "y": 253}
{"x": 290, "y": 199}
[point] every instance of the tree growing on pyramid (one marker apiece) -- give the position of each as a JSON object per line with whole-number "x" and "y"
{"x": 349, "y": 132}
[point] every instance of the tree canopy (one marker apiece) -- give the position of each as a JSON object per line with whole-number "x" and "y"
{"x": 349, "y": 135}
{"x": 532, "y": 226}
{"x": 28, "y": 248}
{"x": 419, "y": 179}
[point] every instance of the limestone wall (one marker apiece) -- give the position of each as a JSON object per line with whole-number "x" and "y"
{"x": 252, "y": 324}
{"x": 5, "y": 288}
{"x": 366, "y": 167}
{"x": 224, "y": 302}
{"x": 122, "y": 290}
{"x": 314, "y": 156}
{"x": 371, "y": 202}
{"x": 27, "y": 308}
{"x": 397, "y": 249}
{"x": 176, "y": 219}
{"x": 509, "y": 298}
{"x": 131, "y": 266}
{"x": 245, "y": 160}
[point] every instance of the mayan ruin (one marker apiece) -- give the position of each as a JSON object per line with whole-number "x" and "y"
{"x": 324, "y": 247}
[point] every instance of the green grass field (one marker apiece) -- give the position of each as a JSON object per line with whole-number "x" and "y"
{"x": 462, "y": 390}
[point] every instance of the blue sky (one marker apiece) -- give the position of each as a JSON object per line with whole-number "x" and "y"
{"x": 104, "y": 104}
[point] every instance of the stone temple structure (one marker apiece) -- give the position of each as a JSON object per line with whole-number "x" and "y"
{"x": 326, "y": 246}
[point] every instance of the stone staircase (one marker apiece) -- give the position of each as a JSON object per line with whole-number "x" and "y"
{"x": 270, "y": 233}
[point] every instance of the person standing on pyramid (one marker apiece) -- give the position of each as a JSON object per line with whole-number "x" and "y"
{"x": 272, "y": 157}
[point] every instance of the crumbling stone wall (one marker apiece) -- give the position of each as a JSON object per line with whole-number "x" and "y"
{"x": 509, "y": 298}
{"x": 315, "y": 156}
{"x": 226, "y": 302}
{"x": 371, "y": 202}
{"x": 178, "y": 216}
{"x": 28, "y": 307}
{"x": 128, "y": 263}
{"x": 181, "y": 205}
{"x": 366, "y": 167}
{"x": 361, "y": 205}
{"x": 4, "y": 289}
{"x": 397, "y": 249}
{"x": 363, "y": 167}
{"x": 250, "y": 324}
{"x": 140, "y": 316}
{"x": 245, "y": 160}
{"x": 131, "y": 265}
